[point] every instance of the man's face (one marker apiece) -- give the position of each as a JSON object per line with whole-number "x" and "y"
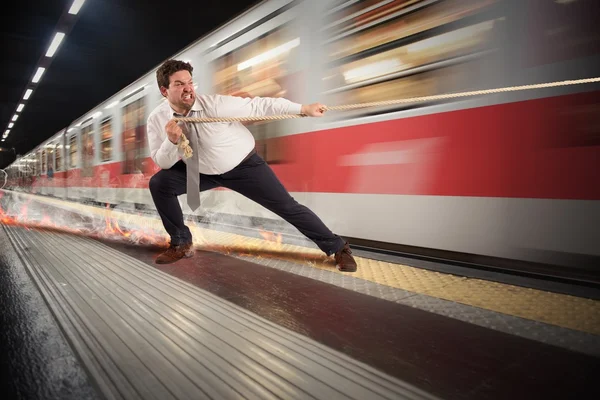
{"x": 180, "y": 92}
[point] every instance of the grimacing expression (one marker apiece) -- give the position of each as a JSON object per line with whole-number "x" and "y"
{"x": 180, "y": 92}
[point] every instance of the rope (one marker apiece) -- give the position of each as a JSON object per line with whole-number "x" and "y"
{"x": 184, "y": 143}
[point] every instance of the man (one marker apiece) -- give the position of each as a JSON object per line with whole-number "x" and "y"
{"x": 223, "y": 155}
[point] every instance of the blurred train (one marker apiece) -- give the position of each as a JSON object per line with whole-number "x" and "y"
{"x": 510, "y": 179}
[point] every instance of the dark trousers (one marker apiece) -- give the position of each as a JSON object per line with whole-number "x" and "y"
{"x": 252, "y": 178}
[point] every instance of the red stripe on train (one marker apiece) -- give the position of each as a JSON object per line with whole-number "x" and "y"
{"x": 545, "y": 148}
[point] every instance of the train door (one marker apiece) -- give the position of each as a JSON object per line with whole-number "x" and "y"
{"x": 59, "y": 174}
{"x": 137, "y": 168}
{"x": 107, "y": 173}
{"x": 269, "y": 59}
{"x": 134, "y": 137}
{"x": 50, "y": 168}
{"x": 88, "y": 185}
{"x": 73, "y": 172}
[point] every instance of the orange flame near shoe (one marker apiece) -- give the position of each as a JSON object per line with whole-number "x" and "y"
{"x": 112, "y": 230}
{"x": 271, "y": 236}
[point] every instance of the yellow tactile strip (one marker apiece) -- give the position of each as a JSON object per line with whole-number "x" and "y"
{"x": 551, "y": 308}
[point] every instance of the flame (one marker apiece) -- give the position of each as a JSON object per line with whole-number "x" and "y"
{"x": 271, "y": 236}
{"x": 113, "y": 230}
{"x": 110, "y": 230}
{"x": 6, "y": 219}
{"x": 46, "y": 221}
{"x": 108, "y": 227}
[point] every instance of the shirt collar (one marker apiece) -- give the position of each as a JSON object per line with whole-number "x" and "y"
{"x": 195, "y": 108}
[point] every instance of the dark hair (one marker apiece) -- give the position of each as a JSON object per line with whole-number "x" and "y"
{"x": 168, "y": 68}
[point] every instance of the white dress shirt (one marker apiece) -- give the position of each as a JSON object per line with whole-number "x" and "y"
{"x": 222, "y": 145}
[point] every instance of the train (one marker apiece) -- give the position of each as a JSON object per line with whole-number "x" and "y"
{"x": 506, "y": 178}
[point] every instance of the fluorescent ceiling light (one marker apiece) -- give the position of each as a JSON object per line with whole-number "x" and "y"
{"x": 27, "y": 93}
{"x": 111, "y": 105}
{"x": 55, "y": 43}
{"x": 14, "y": 118}
{"x": 76, "y": 6}
{"x": 11, "y": 125}
{"x": 7, "y": 132}
{"x": 20, "y": 108}
{"x": 38, "y": 75}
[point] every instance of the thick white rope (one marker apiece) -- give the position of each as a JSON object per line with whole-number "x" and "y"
{"x": 184, "y": 143}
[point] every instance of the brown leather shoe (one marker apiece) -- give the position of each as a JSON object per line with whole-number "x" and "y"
{"x": 344, "y": 260}
{"x": 175, "y": 253}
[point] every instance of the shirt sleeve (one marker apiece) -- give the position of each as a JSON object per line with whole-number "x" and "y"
{"x": 232, "y": 106}
{"x": 163, "y": 152}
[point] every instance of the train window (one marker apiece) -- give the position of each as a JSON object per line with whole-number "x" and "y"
{"x": 260, "y": 68}
{"x": 87, "y": 153}
{"x": 73, "y": 151}
{"x": 264, "y": 68}
{"x": 106, "y": 140}
{"x": 396, "y": 21}
{"x": 134, "y": 136}
{"x": 59, "y": 156}
{"x": 406, "y": 48}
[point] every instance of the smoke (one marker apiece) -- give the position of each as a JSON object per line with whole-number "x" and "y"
{"x": 130, "y": 216}
{"x": 3, "y": 178}
{"x": 136, "y": 226}
{"x": 86, "y": 219}
{"x": 228, "y": 211}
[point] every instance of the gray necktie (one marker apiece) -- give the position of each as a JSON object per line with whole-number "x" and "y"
{"x": 193, "y": 174}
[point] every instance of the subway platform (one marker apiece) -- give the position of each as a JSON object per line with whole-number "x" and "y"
{"x": 93, "y": 317}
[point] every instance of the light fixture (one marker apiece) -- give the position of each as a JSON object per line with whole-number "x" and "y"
{"x": 76, "y": 6}
{"x": 55, "y": 43}
{"x": 38, "y": 75}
